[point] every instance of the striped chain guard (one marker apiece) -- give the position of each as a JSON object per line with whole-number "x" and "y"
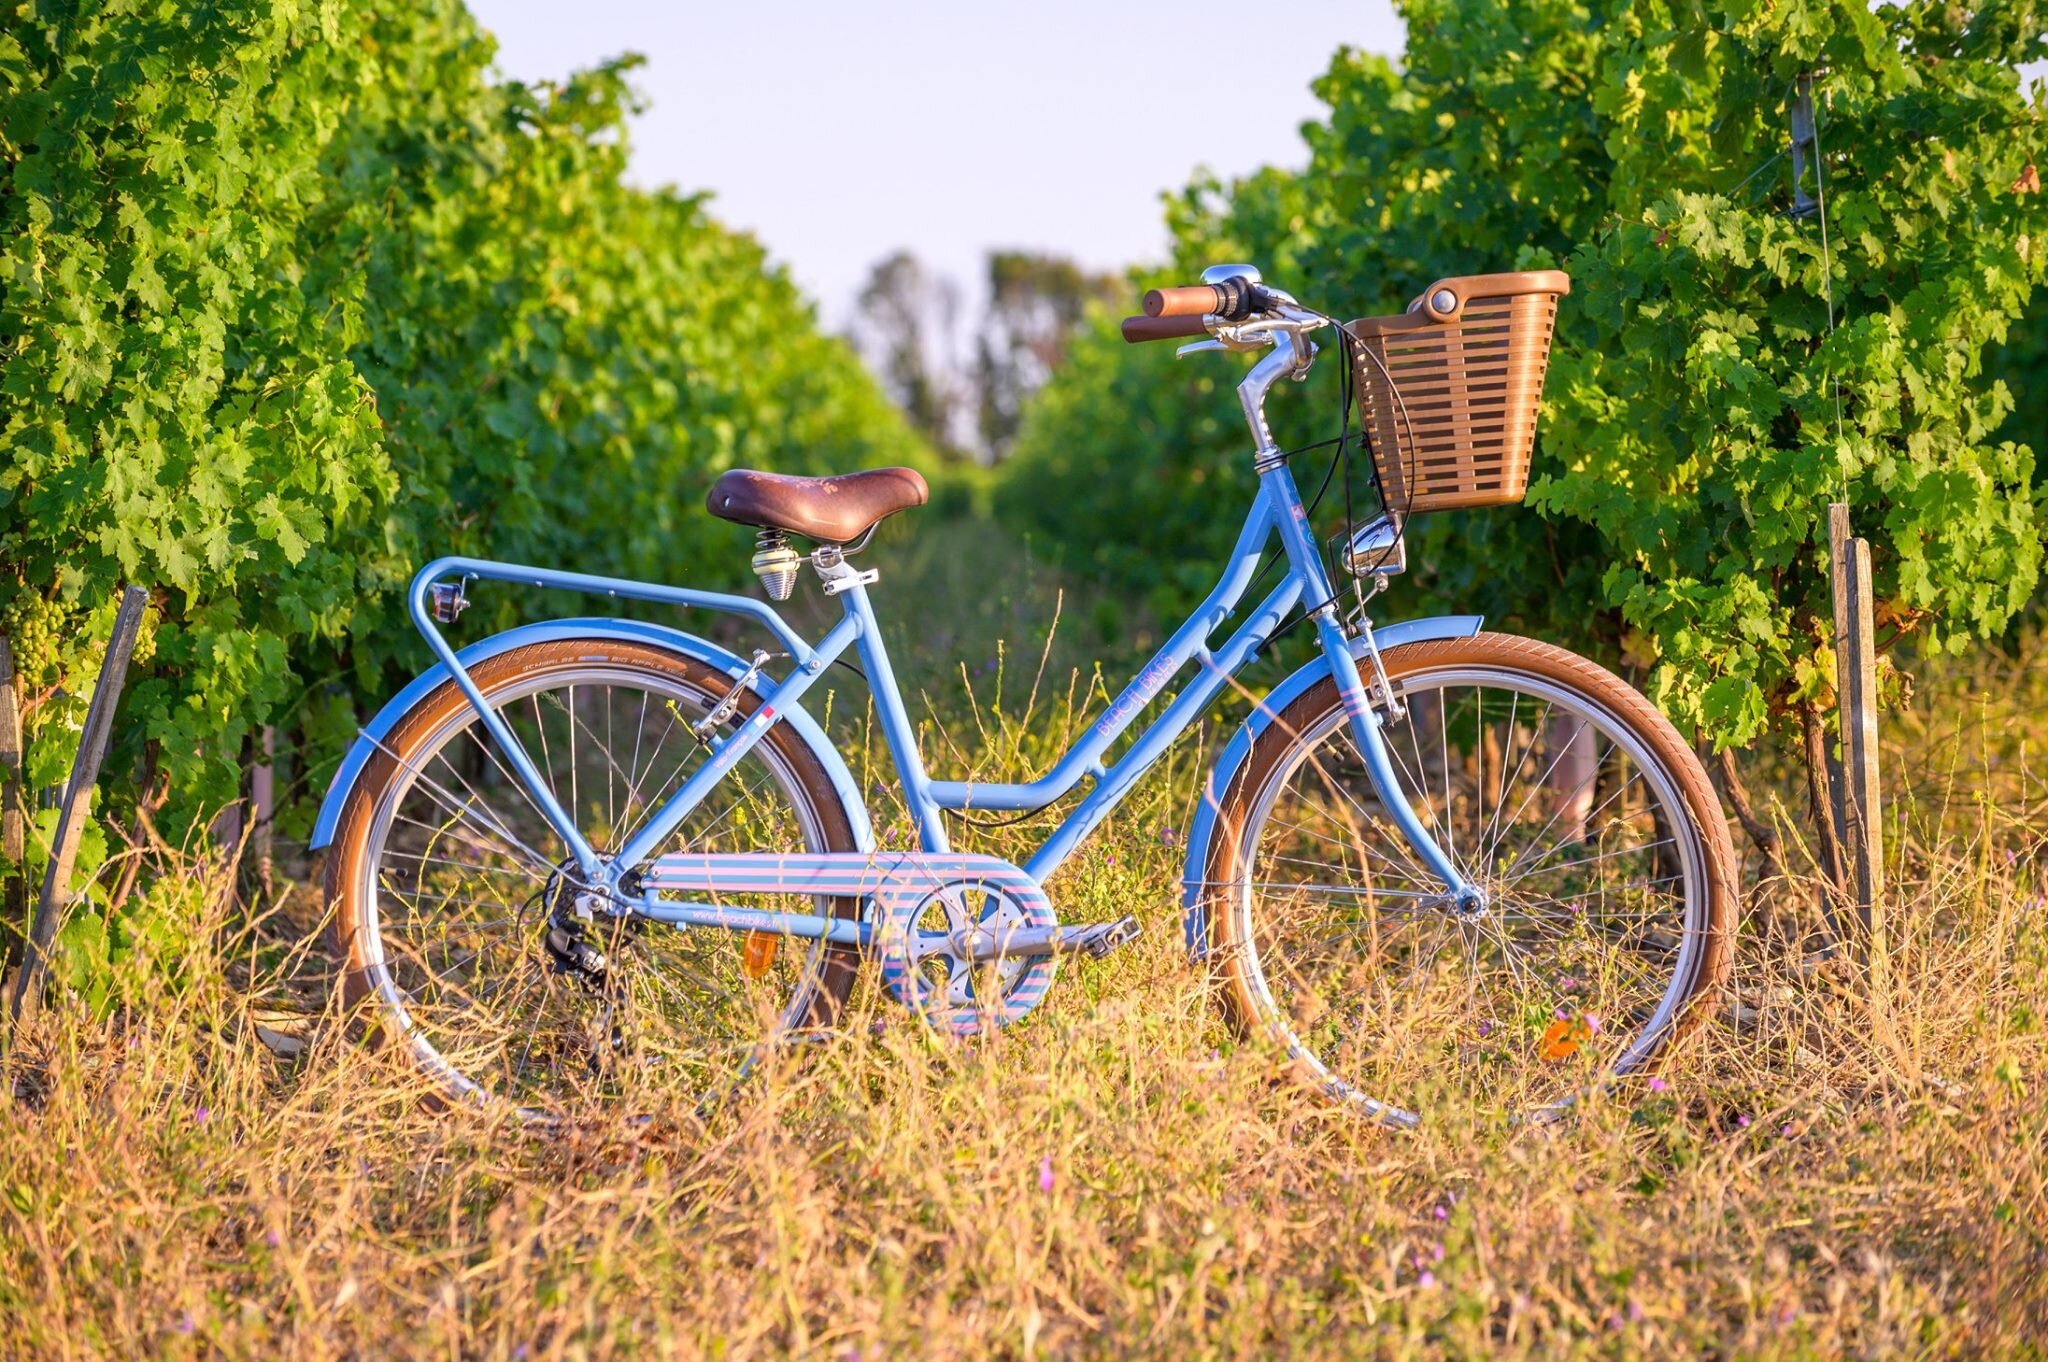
{"x": 902, "y": 885}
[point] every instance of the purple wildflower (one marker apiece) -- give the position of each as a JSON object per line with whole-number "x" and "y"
{"x": 1658, "y": 1085}
{"x": 1045, "y": 1177}
{"x": 1426, "y": 1280}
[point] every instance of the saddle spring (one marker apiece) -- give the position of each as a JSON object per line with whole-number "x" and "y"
{"x": 776, "y": 563}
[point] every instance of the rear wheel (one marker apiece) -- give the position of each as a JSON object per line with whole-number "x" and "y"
{"x": 1563, "y": 794}
{"x": 455, "y": 901}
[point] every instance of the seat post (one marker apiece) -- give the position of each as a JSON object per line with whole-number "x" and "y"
{"x": 830, "y": 561}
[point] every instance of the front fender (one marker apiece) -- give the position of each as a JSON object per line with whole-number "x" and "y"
{"x": 1233, "y": 757}
{"x": 635, "y": 631}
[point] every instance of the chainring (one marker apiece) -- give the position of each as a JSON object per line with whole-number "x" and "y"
{"x": 915, "y": 921}
{"x": 925, "y": 966}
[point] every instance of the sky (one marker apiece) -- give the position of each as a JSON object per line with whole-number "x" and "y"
{"x": 839, "y": 133}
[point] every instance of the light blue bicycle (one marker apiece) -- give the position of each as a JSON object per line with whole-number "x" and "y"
{"x": 605, "y": 859}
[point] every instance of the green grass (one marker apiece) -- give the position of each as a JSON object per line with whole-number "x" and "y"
{"x": 1834, "y": 1175}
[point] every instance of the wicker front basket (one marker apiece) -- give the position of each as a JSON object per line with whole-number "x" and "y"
{"x": 1448, "y": 390}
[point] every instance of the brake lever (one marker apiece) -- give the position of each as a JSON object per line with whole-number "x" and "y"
{"x": 1239, "y": 338}
{"x": 1256, "y": 333}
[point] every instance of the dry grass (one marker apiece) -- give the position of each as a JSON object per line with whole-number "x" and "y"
{"x": 1831, "y": 1177}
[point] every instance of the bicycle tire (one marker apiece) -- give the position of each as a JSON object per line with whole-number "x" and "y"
{"x": 424, "y": 734}
{"x": 1248, "y": 1000}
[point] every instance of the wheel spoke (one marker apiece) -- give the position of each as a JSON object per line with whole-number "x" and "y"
{"x": 1516, "y": 868}
{"x": 459, "y": 895}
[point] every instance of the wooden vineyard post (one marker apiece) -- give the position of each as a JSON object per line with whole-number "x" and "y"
{"x": 263, "y": 806}
{"x": 13, "y": 815}
{"x": 85, "y": 774}
{"x": 1574, "y": 768}
{"x": 1860, "y": 826}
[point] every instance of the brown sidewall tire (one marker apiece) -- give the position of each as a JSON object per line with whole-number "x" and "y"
{"x": 351, "y": 839}
{"x": 1505, "y": 651}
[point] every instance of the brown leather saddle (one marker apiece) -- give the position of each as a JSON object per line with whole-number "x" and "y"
{"x": 830, "y": 510}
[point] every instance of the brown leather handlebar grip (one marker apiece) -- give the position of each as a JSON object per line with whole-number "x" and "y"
{"x": 1195, "y": 300}
{"x": 1163, "y": 328}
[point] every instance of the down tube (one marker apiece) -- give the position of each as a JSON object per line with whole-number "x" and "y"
{"x": 1190, "y": 640}
{"x": 1216, "y": 671}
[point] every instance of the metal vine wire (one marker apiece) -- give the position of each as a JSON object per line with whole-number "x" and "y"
{"x": 1827, "y": 263}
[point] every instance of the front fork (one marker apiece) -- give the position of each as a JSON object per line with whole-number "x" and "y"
{"x": 1367, "y": 724}
{"x": 1368, "y": 728}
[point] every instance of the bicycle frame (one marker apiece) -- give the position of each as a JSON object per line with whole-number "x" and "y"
{"x": 1276, "y": 510}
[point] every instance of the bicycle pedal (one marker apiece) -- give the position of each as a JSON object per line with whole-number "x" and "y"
{"x": 1098, "y": 939}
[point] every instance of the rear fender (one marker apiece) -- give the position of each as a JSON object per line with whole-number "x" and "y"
{"x": 1227, "y": 766}
{"x": 632, "y": 631}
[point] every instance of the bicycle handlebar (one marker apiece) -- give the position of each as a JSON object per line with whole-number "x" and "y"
{"x": 1164, "y": 328}
{"x": 1231, "y": 300}
{"x": 1195, "y": 300}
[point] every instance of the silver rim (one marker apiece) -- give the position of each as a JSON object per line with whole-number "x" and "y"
{"x": 458, "y": 875}
{"x": 1596, "y": 878}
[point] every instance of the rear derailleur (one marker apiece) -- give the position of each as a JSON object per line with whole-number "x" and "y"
{"x": 571, "y": 912}
{"x": 569, "y": 951}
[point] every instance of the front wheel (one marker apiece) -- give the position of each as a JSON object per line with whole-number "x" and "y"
{"x": 1562, "y": 794}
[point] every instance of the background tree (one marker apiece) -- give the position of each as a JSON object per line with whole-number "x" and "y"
{"x": 1036, "y": 303}
{"x": 1690, "y": 443}
{"x": 908, "y": 325}
{"x": 296, "y": 298}
{"x": 907, "y": 329}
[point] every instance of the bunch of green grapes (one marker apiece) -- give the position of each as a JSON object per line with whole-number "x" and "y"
{"x": 36, "y": 629}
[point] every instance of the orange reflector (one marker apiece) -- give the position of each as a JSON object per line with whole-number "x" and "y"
{"x": 1563, "y": 1037}
{"x": 759, "y": 954}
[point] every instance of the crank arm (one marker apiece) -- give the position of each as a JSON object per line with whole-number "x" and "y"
{"x": 1095, "y": 939}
